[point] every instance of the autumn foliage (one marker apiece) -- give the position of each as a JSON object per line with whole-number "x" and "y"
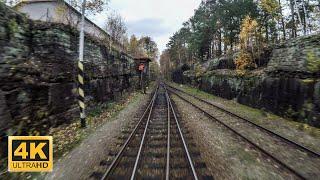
{"x": 244, "y": 61}
{"x": 249, "y": 44}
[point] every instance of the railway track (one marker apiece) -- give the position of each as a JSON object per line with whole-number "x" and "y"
{"x": 295, "y": 158}
{"x": 158, "y": 147}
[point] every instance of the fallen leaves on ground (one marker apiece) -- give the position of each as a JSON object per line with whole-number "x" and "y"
{"x": 65, "y": 137}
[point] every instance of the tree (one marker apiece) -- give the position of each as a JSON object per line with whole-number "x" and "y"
{"x": 313, "y": 15}
{"x": 270, "y": 11}
{"x": 248, "y": 34}
{"x": 248, "y": 44}
{"x": 211, "y": 31}
{"x": 10, "y": 2}
{"x": 282, "y": 21}
{"x": 92, "y": 6}
{"x": 165, "y": 63}
{"x": 154, "y": 70}
{"x": 67, "y": 16}
{"x": 116, "y": 27}
{"x": 125, "y": 42}
{"x": 134, "y": 48}
{"x": 149, "y": 46}
{"x": 293, "y": 20}
{"x": 216, "y": 28}
{"x": 144, "y": 46}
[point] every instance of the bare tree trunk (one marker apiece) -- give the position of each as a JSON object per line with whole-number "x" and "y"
{"x": 282, "y": 22}
{"x": 212, "y": 47}
{"x": 267, "y": 32}
{"x": 294, "y": 28}
{"x": 185, "y": 53}
{"x": 296, "y": 8}
{"x": 219, "y": 43}
{"x": 305, "y": 17}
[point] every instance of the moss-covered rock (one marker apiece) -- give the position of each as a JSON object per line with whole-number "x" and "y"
{"x": 38, "y": 70}
{"x": 288, "y": 86}
{"x": 296, "y": 54}
{"x": 289, "y": 97}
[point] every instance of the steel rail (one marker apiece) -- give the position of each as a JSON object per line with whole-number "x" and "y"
{"x": 182, "y": 137}
{"x": 168, "y": 141}
{"x": 120, "y": 153}
{"x": 142, "y": 142}
{"x": 243, "y": 137}
{"x": 3, "y": 172}
{"x": 288, "y": 141}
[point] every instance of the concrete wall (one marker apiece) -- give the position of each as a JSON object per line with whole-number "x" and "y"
{"x": 59, "y": 13}
{"x": 44, "y": 11}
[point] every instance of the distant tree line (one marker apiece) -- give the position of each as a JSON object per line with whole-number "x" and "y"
{"x": 144, "y": 46}
{"x": 220, "y": 27}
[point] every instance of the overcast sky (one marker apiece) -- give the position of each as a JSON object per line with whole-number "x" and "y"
{"x": 158, "y": 19}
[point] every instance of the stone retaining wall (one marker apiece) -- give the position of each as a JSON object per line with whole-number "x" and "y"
{"x": 286, "y": 86}
{"x": 38, "y": 71}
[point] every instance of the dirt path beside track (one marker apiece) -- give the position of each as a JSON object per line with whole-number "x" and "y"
{"x": 79, "y": 163}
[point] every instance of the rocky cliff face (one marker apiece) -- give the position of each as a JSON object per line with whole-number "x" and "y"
{"x": 295, "y": 56}
{"x": 288, "y": 85}
{"x": 38, "y": 71}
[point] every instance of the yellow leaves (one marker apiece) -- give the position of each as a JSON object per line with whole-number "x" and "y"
{"x": 198, "y": 70}
{"x": 248, "y": 31}
{"x": 270, "y": 6}
{"x": 244, "y": 61}
{"x": 67, "y": 136}
{"x": 61, "y": 10}
{"x": 249, "y": 39}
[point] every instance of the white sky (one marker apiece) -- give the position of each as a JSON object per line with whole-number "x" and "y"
{"x": 158, "y": 19}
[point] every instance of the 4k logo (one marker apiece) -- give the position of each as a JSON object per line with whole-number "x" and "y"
{"x": 30, "y": 153}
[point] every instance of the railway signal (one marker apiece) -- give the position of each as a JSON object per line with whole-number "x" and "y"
{"x": 142, "y": 84}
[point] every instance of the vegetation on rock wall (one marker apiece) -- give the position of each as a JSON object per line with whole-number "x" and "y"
{"x": 12, "y": 27}
{"x": 38, "y": 71}
{"x": 288, "y": 85}
{"x": 258, "y": 52}
{"x": 313, "y": 62}
{"x": 244, "y": 61}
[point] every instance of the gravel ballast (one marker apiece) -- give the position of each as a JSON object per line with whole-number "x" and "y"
{"x": 80, "y": 162}
{"x": 227, "y": 156}
{"x": 299, "y": 132}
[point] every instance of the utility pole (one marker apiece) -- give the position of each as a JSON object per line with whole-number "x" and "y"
{"x": 81, "y": 98}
